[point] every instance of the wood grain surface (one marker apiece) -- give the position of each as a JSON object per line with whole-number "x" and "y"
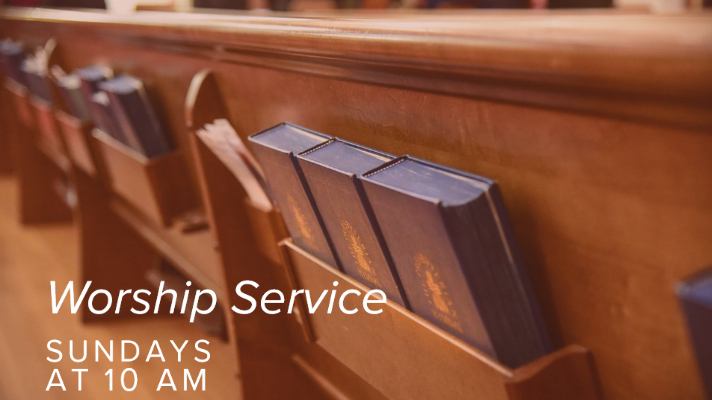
{"x": 596, "y": 126}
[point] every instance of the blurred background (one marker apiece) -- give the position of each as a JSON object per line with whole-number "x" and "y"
{"x": 124, "y": 6}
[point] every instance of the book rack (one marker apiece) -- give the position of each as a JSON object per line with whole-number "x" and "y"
{"x": 384, "y": 352}
{"x": 78, "y": 139}
{"x": 155, "y": 186}
{"x": 204, "y": 105}
{"x": 247, "y": 237}
{"x": 397, "y": 349}
{"x": 19, "y": 98}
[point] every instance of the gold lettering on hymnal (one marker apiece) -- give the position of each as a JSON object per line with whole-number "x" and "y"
{"x": 301, "y": 220}
{"x": 359, "y": 254}
{"x": 435, "y": 290}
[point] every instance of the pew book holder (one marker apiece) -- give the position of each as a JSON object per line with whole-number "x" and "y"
{"x": 47, "y": 125}
{"x": 77, "y": 137}
{"x": 37, "y": 118}
{"x": 397, "y": 349}
{"x": 156, "y": 186}
{"x": 268, "y": 229}
{"x": 204, "y": 104}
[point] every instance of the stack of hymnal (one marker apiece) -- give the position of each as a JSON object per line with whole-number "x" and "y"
{"x": 70, "y": 88}
{"x": 223, "y": 141}
{"x": 12, "y": 55}
{"x": 35, "y": 68}
{"x": 696, "y": 297}
{"x": 123, "y": 110}
{"x": 434, "y": 239}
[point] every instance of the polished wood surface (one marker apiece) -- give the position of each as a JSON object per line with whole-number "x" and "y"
{"x": 39, "y": 167}
{"x": 596, "y": 126}
{"x": 612, "y": 63}
{"x": 156, "y": 186}
{"x": 31, "y": 257}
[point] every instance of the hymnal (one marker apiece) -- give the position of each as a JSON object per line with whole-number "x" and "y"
{"x": 696, "y": 297}
{"x": 332, "y": 171}
{"x": 454, "y": 251}
{"x": 276, "y": 149}
{"x": 136, "y": 116}
{"x": 35, "y": 70}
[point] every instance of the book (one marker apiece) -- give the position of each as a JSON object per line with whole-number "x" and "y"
{"x": 12, "y": 55}
{"x": 695, "y": 294}
{"x": 275, "y": 149}
{"x": 223, "y": 141}
{"x": 35, "y": 69}
{"x": 134, "y": 112}
{"x": 70, "y": 89}
{"x": 91, "y": 77}
{"x": 331, "y": 171}
{"x": 104, "y": 118}
{"x": 450, "y": 240}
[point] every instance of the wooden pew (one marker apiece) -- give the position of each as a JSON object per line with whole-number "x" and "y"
{"x": 596, "y": 126}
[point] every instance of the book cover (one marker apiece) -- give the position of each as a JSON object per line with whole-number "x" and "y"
{"x": 695, "y": 296}
{"x": 332, "y": 171}
{"x": 104, "y": 117}
{"x": 275, "y": 149}
{"x": 136, "y": 116}
{"x": 12, "y": 55}
{"x": 456, "y": 256}
{"x": 91, "y": 77}
{"x": 71, "y": 90}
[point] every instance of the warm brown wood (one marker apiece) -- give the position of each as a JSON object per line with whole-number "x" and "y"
{"x": 193, "y": 253}
{"x": 596, "y": 126}
{"x": 566, "y": 374}
{"x": 155, "y": 186}
{"x": 19, "y": 100}
{"x": 77, "y": 136}
{"x": 598, "y": 62}
{"x": 47, "y": 126}
{"x": 275, "y": 360}
{"x": 268, "y": 230}
{"x": 7, "y": 122}
{"x": 263, "y": 355}
{"x": 39, "y": 169}
{"x": 112, "y": 256}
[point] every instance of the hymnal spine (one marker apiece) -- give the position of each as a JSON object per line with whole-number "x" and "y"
{"x": 288, "y": 188}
